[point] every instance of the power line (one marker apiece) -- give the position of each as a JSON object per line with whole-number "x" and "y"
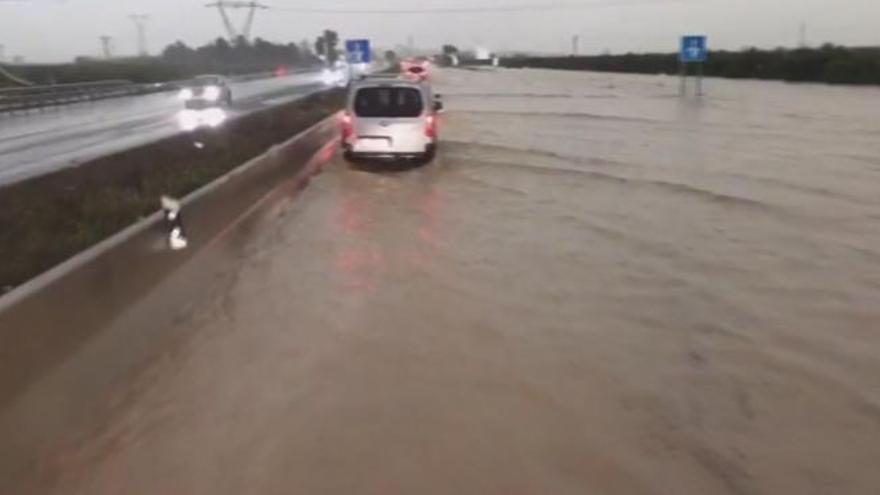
{"x": 251, "y": 7}
{"x": 106, "y": 46}
{"x": 483, "y": 9}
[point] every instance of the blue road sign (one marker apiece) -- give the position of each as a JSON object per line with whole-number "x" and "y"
{"x": 358, "y": 51}
{"x": 694, "y": 49}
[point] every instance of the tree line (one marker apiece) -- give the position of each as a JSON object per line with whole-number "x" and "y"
{"x": 180, "y": 61}
{"x": 239, "y": 56}
{"x": 828, "y": 63}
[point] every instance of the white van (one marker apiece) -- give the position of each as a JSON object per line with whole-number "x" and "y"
{"x": 390, "y": 118}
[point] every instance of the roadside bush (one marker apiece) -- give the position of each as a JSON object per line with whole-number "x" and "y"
{"x": 829, "y": 63}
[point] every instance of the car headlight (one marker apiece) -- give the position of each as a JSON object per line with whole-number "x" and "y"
{"x": 214, "y": 117}
{"x": 211, "y": 93}
{"x": 188, "y": 120}
{"x": 327, "y": 76}
{"x": 185, "y": 94}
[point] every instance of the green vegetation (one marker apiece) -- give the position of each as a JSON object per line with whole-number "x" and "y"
{"x": 239, "y": 57}
{"x": 450, "y": 50}
{"x": 48, "y": 219}
{"x": 177, "y": 61}
{"x": 829, "y": 64}
{"x": 326, "y": 46}
{"x": 140, "y": 70}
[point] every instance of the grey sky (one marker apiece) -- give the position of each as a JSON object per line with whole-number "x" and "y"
{"x": 54, "y": 30}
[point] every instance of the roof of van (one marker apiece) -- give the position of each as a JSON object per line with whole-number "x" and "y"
{"x": 388, "y": 81}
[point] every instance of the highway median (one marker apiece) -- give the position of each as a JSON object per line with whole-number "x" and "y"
{"x": 48, "y": 219}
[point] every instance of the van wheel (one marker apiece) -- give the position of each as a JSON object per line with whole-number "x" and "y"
{"x": 429, "y": 154}
{"x": 349, "y": 156}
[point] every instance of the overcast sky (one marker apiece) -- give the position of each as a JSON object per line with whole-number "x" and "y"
{"x": 56, "y": 30}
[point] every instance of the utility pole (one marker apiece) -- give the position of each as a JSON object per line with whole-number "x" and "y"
{"x": 411, "y": 45}
{"x": 231, "y": 31}
{"x": 2, "y": 52}
{"x": 802, "y": 36}
{"x": 249, "y": 21}
{"x": 575, "y": 45}
{"x": 107, "y": 46}
{"x": 140, "y": 22}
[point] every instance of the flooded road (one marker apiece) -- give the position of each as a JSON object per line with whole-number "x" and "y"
{"x": 607, "y": 290}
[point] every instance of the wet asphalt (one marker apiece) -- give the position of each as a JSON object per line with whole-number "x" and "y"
{"x": 42, "y": 141}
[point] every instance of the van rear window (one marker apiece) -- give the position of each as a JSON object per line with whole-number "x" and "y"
{"x": 388, "y": 102}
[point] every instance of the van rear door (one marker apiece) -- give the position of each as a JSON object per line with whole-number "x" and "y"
{"x": 389, "y": 119}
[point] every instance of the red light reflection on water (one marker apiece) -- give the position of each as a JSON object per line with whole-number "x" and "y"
{"x": 327, "y": 154}
{"x": 362, "y": 266}
{"x": 363, "y": 257}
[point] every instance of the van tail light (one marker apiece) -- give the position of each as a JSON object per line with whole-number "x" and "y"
{"x": 347, "y": 126}
{"x": 431, "y": 126}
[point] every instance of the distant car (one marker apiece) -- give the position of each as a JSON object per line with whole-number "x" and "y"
{"x": 416, "y": 73}
{"x": 207, "y": 90}
{"x": 390, "y": 118}
{"x": 416, "y": 70}
{"x": 334, "y": 76}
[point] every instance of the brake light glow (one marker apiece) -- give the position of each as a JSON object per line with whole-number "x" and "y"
{"x": 431, "y": 126}
{"x": 347, "y": 126}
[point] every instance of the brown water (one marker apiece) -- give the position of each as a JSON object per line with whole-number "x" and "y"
{"x": 598, "y": 287}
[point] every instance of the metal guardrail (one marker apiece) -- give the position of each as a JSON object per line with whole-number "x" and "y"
{"x": 5, "y": 74}
{"x": 23, "y": 99}
{"x": 38, "y": 97}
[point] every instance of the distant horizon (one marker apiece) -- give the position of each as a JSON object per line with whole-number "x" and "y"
{"x": 427, "y": 51}
{"x": 537, "y": 26}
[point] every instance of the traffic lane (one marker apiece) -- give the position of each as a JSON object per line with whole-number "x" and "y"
{"x": 486, "y": 326}
{"x": 60, "y": 119}
{"x": 40, "y": 142}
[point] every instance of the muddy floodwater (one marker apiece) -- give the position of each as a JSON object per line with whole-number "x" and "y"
{"x": 598, "y": 287}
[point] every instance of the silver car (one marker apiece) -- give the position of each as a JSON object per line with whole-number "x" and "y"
{"x": 390, "y": 118}
{"x": 206, "y": 91}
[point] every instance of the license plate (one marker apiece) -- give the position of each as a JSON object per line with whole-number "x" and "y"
{"x": 374, "y": 144}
